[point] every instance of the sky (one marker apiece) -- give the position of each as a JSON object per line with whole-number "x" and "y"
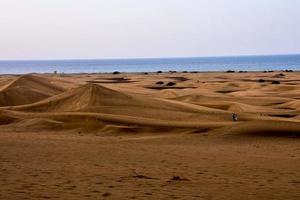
{"x": 88, "y": 29}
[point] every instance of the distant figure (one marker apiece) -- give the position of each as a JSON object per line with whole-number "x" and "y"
{"x": 55, "y": 72}
{"x": 234, "y": 117}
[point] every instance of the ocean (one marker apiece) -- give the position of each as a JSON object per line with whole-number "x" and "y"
{"x": 237, "y": 63}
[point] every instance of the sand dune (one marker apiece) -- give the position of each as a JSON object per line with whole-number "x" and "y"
{"x": 268, "y": 128}
{"x": 27, "y": 89}
{"x": 94, "y": 107}
{"x": 98, "y": 99}
{"x": 6, "y": 118}
{"x": 122, "y": 140}
{"x": 294, "y": 104}
{"x": 83, "y": 98}
{"x": 99, "y": 107}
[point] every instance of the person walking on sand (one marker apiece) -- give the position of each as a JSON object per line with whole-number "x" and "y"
{"x": 234, "y": 117}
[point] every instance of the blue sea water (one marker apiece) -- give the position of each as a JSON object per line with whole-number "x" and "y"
{"x": 245, "y": 63}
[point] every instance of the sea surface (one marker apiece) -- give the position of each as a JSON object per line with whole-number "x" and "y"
{"x": 244, "y": 63}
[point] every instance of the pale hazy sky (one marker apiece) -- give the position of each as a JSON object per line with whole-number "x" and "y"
{"x": 58, "y": 29}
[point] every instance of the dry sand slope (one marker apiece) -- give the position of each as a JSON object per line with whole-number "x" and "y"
{"x": 50, "y": 127}
{"x": 27, "y": 89}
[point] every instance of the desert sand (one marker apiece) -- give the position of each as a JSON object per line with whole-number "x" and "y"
{"x": 136, "y": 136}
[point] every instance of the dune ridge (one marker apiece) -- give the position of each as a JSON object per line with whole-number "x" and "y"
{"x": 27, "y": 89}
{"x": 94, "y": 98}
{"x": 94, "y": 106}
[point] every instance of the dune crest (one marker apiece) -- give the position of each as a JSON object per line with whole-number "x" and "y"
{"x": 27, "y": 89}
{"x": 96, "y": 99}
{"x": 84, "y": 98}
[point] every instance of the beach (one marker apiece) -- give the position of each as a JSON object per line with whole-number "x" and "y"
{"x": 156, "y": 135}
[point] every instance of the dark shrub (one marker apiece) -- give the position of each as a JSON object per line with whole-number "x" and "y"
{"x": 287, "y": 70}
{"x": 275, "y": 82}
{"x": 281, "y": 75}
{"x": 159, "y": 82}
{"x": 171, "y": 84}
{"x": 230, "y": 71}
{"x": 178, "y": 178}
{"x": 261, "y": 81}
{"x": 159, "y": 72}
{"x": 146, "y": 73}
{"x": 116, "y": 72}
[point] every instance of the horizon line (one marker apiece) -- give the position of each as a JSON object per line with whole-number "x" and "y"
{"x": 150, "y": 58}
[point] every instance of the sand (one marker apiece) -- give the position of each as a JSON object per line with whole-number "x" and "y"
{"x": 105, "y": 136}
